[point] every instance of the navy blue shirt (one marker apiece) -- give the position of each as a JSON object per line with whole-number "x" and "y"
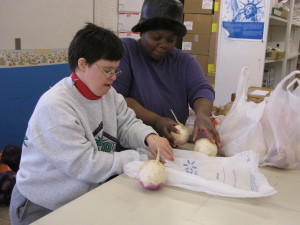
{"x": 173, "y": 82}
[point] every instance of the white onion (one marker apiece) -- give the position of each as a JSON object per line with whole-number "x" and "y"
{"x": 152, "y": 175}
{"x": 205, "y": 146}
{"x": 183, "y": 136}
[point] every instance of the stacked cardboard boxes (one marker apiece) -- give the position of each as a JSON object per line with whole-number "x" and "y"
{"x": 129, "y": 12}
{"x": 201, "y": 18}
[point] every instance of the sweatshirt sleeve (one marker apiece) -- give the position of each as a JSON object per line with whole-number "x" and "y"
{"x": 132, "y": 132}
{"x": 70, "y": 153}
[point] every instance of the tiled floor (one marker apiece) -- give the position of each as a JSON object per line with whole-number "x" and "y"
{"x": 4, "y": 215}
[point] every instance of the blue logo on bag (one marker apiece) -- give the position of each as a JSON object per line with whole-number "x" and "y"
{"x": 190, "y": 167}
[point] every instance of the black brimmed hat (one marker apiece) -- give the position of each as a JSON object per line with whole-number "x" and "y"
{"x": 161, "y": 14}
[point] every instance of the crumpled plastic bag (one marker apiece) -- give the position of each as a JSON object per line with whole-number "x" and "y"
{"x": 235, "y": 176}
{"x": 241, "y": 129}
{"x": 281, "y": 124}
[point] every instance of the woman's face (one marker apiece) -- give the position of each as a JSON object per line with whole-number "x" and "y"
{"x": 157, "y": 43}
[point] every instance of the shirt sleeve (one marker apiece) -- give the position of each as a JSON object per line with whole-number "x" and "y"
{"x": 123, "y": 82}
{"x": 197, "y": 85}
{"x": 132, "y": 132}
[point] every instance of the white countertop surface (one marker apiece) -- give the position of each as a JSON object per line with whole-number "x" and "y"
{"x": 123, "y": 201}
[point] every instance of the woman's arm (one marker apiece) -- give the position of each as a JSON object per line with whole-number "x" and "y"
{"x": 203, "y": 123}
{"x": 162, "y": 125}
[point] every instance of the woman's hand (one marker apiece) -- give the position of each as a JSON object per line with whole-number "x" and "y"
{"x": 164, "y": 126}
{"x": 165, "y": 148}
{"x": 203, "y": 124}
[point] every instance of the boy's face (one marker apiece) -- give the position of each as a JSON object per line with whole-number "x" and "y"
{"x": 99, "y": 76}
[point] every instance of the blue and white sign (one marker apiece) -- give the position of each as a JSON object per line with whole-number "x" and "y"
{"x": 244, "y": 19}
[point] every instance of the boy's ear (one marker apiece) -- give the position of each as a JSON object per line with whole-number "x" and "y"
{"x": 82, "y": 65}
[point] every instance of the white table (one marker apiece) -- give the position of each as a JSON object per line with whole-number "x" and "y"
{"x": 122, "y": 201}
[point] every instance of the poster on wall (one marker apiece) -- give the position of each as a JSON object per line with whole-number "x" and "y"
{"x": 244, "y": 19}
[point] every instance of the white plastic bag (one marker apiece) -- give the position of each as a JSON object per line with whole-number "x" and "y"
{"x": 281, "y": 124}
{"x": 236, "y": 176}
{"x": 241, "y": 129}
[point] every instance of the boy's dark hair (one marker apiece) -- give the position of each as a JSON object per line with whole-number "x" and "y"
{"x": 94, "y": 43}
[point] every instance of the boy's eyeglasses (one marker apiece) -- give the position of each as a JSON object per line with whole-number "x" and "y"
{"x": 109, "y": 74}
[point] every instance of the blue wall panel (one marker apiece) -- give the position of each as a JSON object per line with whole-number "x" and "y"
{"x": 20, "y": 89}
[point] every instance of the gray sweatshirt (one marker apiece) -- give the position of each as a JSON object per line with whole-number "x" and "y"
{"x": 70, "y": 142}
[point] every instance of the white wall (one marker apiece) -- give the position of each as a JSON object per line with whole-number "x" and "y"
{"x": 42, "y": 24}
{"x": 232, "y": 56}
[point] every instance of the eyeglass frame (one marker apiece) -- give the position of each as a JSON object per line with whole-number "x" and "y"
{"x": 109, "y": 74}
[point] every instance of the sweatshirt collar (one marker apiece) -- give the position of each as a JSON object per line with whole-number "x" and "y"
{"x": 82, "y": 88}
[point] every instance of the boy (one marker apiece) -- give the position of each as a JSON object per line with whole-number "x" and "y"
{"x": 72, "y": 134}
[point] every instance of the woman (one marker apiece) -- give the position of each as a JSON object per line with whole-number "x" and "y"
{"x": 158, "y": 78}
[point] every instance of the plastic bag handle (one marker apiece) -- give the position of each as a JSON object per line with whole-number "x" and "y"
{"x": 242, "y": 88}
{"x": 292, "y": 74}
{"x": 289, "y": 87}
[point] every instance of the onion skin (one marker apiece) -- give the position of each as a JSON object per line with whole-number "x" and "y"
{"x": 152, "y": 175}
{"x": 151, "y": 187}
{"x": 205, "y": 146}
{"x": 183, "y": 136}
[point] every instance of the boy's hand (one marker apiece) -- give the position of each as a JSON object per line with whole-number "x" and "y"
{"x": 155, "y": 141}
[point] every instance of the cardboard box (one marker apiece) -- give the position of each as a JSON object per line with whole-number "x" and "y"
{"x": 203, "y": 61}
{"x": 215, "y": 24}
{"x": 213, "y": 46}
{"x": 214, "y": 37}
{"x": 198, "y": 23}
{"x": 271, "y": 55}
{"x": 216, "y": 8}
{"x": 130, "y": 5}
{"x": 255, "y": 94}
{"x": 274, "y": 54}
{"x": 208, "y": 64}
{"x": 258, "y": 94}
{"x": 280, "y": 12}
{"x": 127, "y": 20}
{"x": 198, "y": 6}
{"x": 284, "y": 14}
{"x": 127, "y": 34}
{"x": 196, "y": 44}
{"x": 280, "y": 55}
{"x": 211, "y": 66}
{"x": 211, "y": 77}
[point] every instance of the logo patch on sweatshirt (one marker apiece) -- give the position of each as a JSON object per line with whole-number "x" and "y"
{"x": 104, "y": 141}
{"x": 98, "y": 129}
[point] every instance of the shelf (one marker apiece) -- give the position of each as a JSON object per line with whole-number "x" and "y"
{"x": 292, "y": 56}
{"x": 273, "y": 61}
{"x": 285, "y": 32}
{"x": 277, "y": 21}
{"x": 296, "y": 24}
